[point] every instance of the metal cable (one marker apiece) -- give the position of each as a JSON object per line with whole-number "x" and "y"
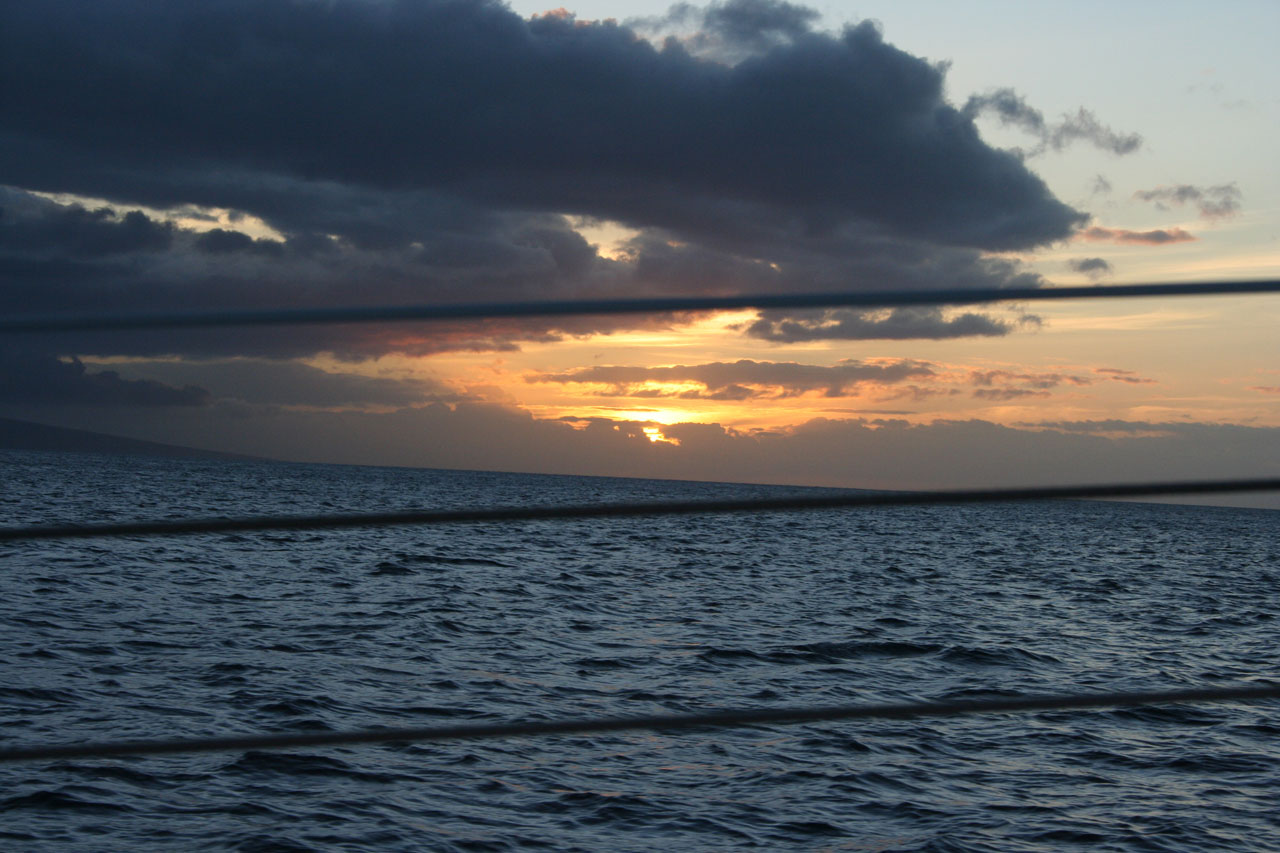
{"x": 661, "y": 305}
{"x": 716, "y": 719}
{"x": 507, "y": 310}
{"x": 622, "y": 510}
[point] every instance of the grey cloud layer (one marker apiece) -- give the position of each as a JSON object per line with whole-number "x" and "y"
{"x": 729, "y": 32}
{"x": 288, "y": 383}
{"x": 464, "y": 96}
{"x": 854, "y": 453}
{"x": 432, "y": 150}
{"x": 898, "y": 324}
{"x": 28, "y": 378}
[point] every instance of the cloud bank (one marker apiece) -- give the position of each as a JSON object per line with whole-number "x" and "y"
{"x": 858, "y": 452}
{"x": 897, "y": 324}
{"x": 235, "y": 154}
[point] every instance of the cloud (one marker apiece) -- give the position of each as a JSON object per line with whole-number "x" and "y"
{"x": 1003, "y": 394}
{"x": 1012, "y": 109}
{"x": 547, "y": 114}
{"x": 1115, "y": 374}
{"x": 33, "y": 379}
{"x": 1155, "y": 237}
{"x": 220, "y": 240}
{"x": 1094, "y": 268}
{"x": 1005, "y": 385}
{"x": 1039, "y": 381}
{"x": 740, "y": 380}
{"x": 102, "y": 263}
{"x": 289, "y": 383}
{"x": 730, "y": 31}
{"x": 885, "y": 380}
{"x": 1265, "y": 389}
{"x": 859, "y": 453}
{"x": 898, "y": 324}
{"x": 34, "y": 230}
{"x": 429, "y": 151}
{"x": 1216, "y": 202}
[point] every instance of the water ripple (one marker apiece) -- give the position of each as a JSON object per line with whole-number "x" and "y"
{"x": 538, "y": 620}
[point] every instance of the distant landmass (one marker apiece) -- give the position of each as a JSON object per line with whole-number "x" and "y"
{"x": 26, "y": 435}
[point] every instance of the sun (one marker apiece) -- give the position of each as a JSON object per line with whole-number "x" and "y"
{"x": 654, "y": 434}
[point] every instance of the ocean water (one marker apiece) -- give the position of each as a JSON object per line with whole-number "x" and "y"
{"x": 220, "y": 634}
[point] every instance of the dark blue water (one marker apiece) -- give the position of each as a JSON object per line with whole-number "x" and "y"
{"x": 210, "y": 635}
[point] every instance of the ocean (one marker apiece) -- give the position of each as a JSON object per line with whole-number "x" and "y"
{"x": 248, "y": 633}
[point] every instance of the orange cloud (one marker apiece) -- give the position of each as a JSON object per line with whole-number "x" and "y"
{"x": 1156, "y": 237}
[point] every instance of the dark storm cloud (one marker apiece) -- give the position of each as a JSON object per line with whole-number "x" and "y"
{"x": 165, "y": 102}
{"x": 1011, "y": 109}
{"x": 220, "y": 240}
{"x": 33, "y": 228}
{"x": 288, "y": 383}
{"x": 741, "y": 379}
{"x": 898, "y": 324}
{"x": 408, "y": 152}
{"x": 56, "y": 257}
{"x": 507, "y": 256}
{"x": 32, "y": 379}
{"x": 730, "y": 31}
{"x": 1217, "y": 202}
{"x": 1094, "y": 268}
{"x": 748, "y": 21}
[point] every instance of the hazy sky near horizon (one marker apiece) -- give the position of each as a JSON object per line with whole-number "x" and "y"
{"x": 232, "y": 154}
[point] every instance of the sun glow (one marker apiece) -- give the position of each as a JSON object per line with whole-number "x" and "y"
{"x": 648, "y": 416}
{"x": 655, "y": 435}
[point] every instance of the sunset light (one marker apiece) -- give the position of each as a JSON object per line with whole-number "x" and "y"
{"x": 655, "y": 434}
{"x": 639, "y": 425}
{"x": 1046, "y": 180}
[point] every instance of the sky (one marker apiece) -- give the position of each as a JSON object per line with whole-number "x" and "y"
{"x": 293, "y": 153}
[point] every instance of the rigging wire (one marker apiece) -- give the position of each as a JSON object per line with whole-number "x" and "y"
{"x": 713, "y": 719}
{"x": 843, "y": 500}
{"x": 657, "y": 305}
{"x": 742, "y": 717}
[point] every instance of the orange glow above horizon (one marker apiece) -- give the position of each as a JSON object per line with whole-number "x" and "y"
{"x": 1150, "y": 360}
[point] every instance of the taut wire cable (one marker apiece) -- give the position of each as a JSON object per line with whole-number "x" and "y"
{"x": 738, "y": 717}
{"x": 656, "y": 305}
{"x": 842, "y": 500}
{"x": 716, "y": 719}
